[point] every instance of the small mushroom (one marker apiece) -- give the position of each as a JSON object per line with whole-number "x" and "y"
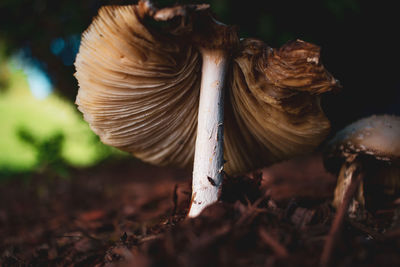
{"x": 152, "y": 83}
{"x": 370, "y": 147}
{"x": 366, "y": 157}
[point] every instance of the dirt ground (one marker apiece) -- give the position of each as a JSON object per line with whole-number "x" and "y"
{"x": 127, "y": 213}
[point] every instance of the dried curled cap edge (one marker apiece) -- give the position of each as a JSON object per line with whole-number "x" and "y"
{"x": 275, "y": 103}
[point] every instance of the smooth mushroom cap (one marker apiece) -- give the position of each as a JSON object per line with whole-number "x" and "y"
{"x": 375, "y": 136}
{"x": 140, "y": 81}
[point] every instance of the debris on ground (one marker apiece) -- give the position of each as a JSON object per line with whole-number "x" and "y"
{"x": 132, "y": 214}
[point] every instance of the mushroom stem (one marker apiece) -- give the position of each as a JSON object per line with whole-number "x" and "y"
{"x": 355, "y": 178}
{"x": 209, "y": 150}
{"x": 357, "y": 203}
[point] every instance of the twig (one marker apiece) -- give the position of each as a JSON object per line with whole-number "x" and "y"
{"x": 280, "y": 251}
{"x": 338, "y": 221}
{"x": 251, "y": 211}
{"x": 374, "y": 234}
{"x": 149, "y": 238}
{"x": 175, "y": 199}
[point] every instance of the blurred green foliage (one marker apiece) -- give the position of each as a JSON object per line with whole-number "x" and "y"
{"x": 43, "y": 134}
{"x": 48, "y": 152}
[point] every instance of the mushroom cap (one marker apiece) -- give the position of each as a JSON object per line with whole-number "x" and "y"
{"x": 375, "y": 136}
{"x": 275, "y": 103}
{"x": 140, "y": 83}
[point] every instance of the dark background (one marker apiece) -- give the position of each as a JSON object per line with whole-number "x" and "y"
{"x": 358, "y": 40}
{"x": 55, "y": 214}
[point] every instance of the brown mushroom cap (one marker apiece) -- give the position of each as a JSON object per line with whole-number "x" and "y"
{"x": 376, "y": 136}
{"x": 140, "y": 82}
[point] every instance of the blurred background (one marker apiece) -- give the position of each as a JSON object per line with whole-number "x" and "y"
{"x": 41, "y": 129}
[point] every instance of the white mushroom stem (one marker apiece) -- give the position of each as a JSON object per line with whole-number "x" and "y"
{"x": 209, "y": 150}
{"x": 357, "y": 204}
{"x": 331, "y": 240}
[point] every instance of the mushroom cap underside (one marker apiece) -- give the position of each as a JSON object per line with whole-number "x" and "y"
{"x": 140, "y": 85}
{"x": 377, "y": 136}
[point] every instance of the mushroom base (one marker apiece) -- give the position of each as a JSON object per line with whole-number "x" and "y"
{"x": 376, "y": 193}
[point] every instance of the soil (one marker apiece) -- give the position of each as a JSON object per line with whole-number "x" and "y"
{"x": 127, "y": 213}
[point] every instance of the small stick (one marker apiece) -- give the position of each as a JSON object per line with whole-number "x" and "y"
{"x": 374, "y": 234}
{"x": 280, "y": 251}
{"x": 251, "y": 211}
{"x": 338, "y": 220}
{"x": 175, "y": 199}
{"x": 149, "y": 238}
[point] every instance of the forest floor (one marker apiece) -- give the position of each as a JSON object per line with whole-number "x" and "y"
{"x": 127, "y": 213}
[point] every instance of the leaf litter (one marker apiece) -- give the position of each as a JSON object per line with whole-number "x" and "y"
{"x": 132, "y": 214}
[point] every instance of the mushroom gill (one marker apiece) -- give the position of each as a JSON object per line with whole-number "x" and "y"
{"x": 139, "y": 90}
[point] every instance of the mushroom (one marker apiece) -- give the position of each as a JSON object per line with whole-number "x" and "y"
{"x": 370, "y": 147}
{"x": 152, "y": 83}
{"x": 366, "y": 157}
